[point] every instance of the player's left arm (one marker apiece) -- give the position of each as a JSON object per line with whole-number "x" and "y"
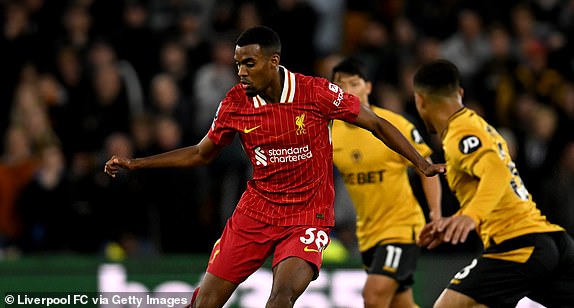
{"x": 395, "y": 140}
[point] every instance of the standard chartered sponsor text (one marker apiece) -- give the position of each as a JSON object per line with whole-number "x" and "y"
{"x": 291, "y": 154}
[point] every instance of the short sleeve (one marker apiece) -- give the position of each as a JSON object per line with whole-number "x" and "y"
{"x": 221, "y": 132}
{"x": 334, "y": 102}
{"x": 467, "y": 147}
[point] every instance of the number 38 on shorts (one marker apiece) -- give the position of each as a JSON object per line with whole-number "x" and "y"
{"x": 316, "y": 240}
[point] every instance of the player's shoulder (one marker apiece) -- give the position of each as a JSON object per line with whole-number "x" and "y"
{"x": 401, "y": 122}
{"x": 235, "y": 96}
{"x": 314, "y": 87}
{"x": 466, "y": 134}
{"x": 236, "y": 93}
{"x": 391, "y": 116}
{"x": 314, "y": 82}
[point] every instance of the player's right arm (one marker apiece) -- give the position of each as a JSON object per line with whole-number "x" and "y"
{"x": 196, "y": 155}
{"x": 395, "y": 140}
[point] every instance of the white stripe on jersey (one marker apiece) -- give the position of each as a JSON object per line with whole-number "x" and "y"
{"x": 287, "y": 93}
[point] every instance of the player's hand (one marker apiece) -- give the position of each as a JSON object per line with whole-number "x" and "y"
{"x": 116, "y": 163}
{"x": 452, "y": 230}
{"x": 456, "y": 228}
{"x": 429, "y": 236}
{"x": 434, "y": 169}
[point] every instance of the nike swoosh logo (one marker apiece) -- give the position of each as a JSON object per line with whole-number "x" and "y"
{"x": 307, "y": 249}
{"x": 248, "y": 130}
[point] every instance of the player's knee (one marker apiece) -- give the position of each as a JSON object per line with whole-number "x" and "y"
{"x": 453, "y": 299}
{"x": 371, "y": 301}
{"x": 441, "y": 303}
{"x": 376, "y": 297}
{"x": 375, "y": 301}
{"x": 280, "y": 299}
{"x": 203, "y": 301}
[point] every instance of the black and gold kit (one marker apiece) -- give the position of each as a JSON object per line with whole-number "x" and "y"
{"x": 522, "y": 248}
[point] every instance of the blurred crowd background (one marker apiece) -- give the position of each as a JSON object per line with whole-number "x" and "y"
{"x": 81, "y": 80}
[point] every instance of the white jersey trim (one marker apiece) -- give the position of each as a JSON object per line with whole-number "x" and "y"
{"x": 287, "y": 93}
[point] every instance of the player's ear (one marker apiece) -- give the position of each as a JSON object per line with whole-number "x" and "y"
{"x": 419, "y": 100}
{"x": 275, "y": 60}
{"x": 461, "y": 92}
{"x": 369, "y": 86}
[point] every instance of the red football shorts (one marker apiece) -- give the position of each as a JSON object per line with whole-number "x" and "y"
{"x": 246, "y": 243}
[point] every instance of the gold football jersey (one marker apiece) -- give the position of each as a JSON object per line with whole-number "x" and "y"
{"x": 501, "y": 206}
{"x": 376, "y": 178}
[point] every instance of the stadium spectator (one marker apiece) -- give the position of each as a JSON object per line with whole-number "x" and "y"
{"x": 44, "y": 205}
{"x": 17, "y": 168}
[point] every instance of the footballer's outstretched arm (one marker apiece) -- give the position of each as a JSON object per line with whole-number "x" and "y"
{"x": 394, "y": 139}
{"x": 196, "y": 155}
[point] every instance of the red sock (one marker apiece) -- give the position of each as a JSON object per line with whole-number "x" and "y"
{"x": 194, "y": 296}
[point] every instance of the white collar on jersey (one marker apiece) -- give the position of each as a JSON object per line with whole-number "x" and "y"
{"x": 287, "y": 94}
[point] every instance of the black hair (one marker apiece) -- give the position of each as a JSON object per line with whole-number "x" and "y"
{"x": 351, "y": 66}
{"x": 263, "y": 36}
{"x": 439, "y": 77}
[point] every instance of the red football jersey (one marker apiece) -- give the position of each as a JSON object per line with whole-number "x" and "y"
{"x": 289, "y": 145}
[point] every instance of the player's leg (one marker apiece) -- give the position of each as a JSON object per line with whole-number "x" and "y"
{"x": 485, "y": 282}
{"x": 379, "y": 291}
{"x": 557, "y": 289}
{"x": 390, "y": 269}
{"x": 213, "y": 292}
{"x": 504, "y": 274}
{"x": 296, "y": 262}
{"x": 290, "y": 279}
{"x": 242, "y": 249}
{"x": 404, "y": 299}
{"x": 453, "y": 299}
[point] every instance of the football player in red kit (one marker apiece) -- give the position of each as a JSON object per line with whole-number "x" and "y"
{"x": 283, "y": 120}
